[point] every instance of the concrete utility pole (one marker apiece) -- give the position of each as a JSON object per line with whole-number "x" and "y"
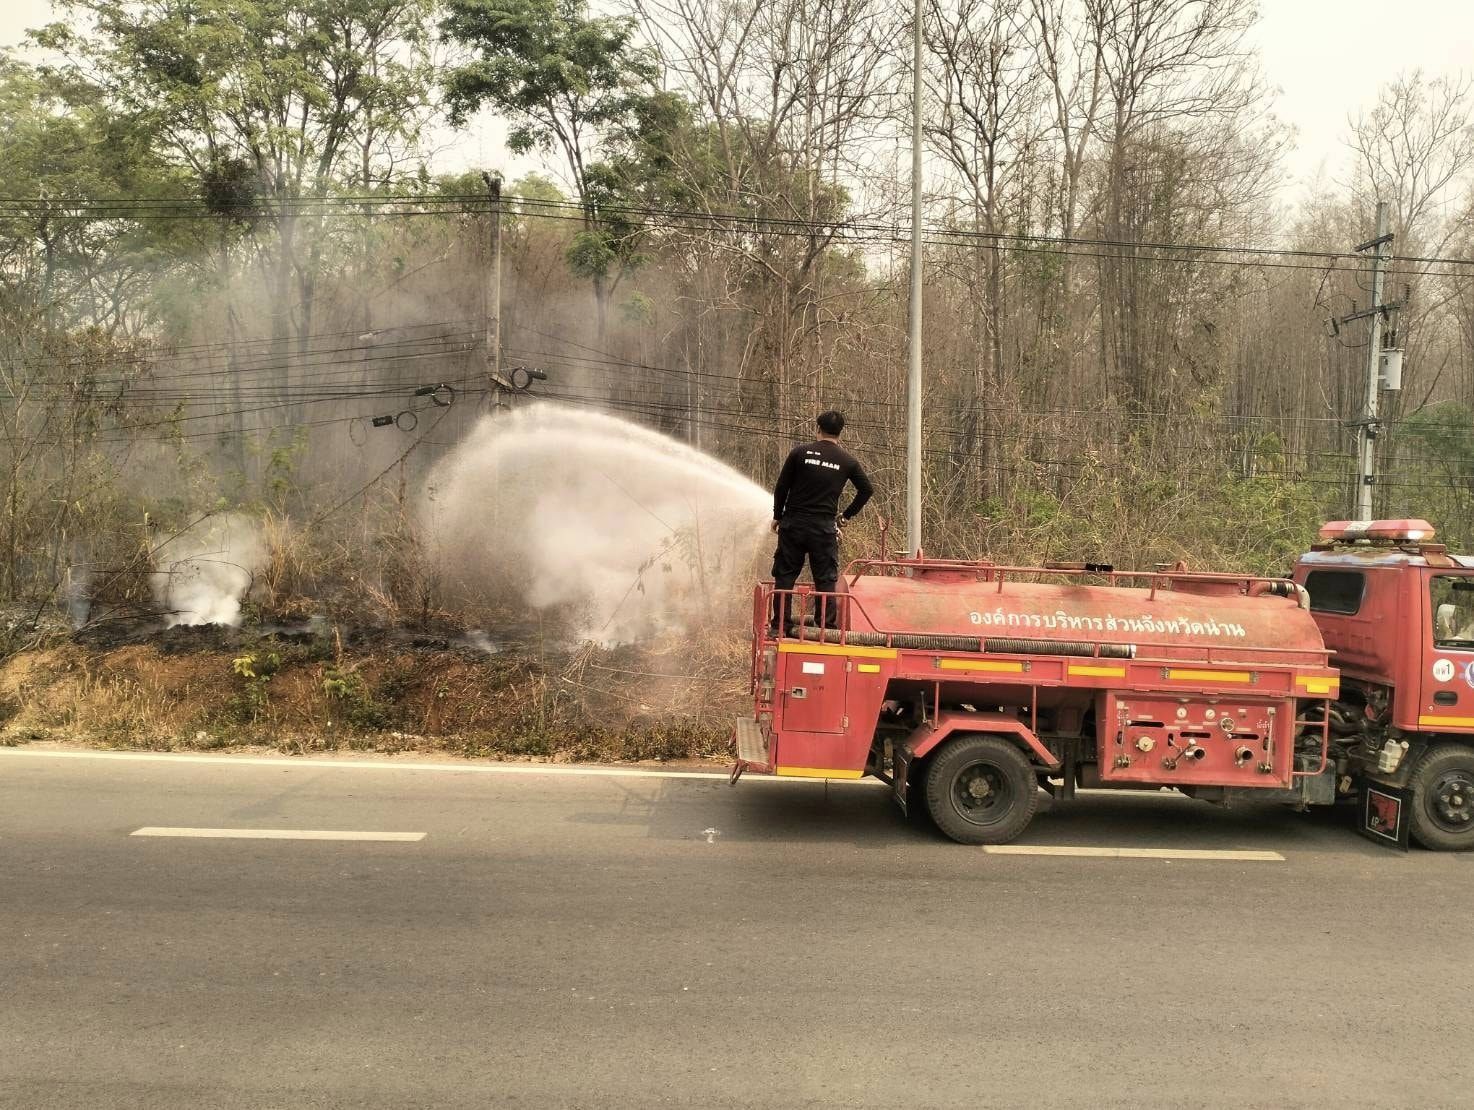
{"x": 494, "y": 290}
{"x": 1369, "y": 427}
{"x": 913, "y": 376}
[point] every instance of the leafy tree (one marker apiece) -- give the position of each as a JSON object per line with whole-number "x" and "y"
{"x": 61, "y": 146}
{"x": 568, "y": 82}
{"x": 1441, "y": 438}
{"x": 75, "y": 293}
{"x": 266, "y": 103}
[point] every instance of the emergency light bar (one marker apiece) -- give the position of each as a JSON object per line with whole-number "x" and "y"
{"x": 1388, "y": 531}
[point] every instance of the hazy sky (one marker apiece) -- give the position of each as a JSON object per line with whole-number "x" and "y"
{"x": 1327, "y": 57}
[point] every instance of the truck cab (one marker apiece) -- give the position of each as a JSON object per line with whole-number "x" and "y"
{"x": 1396, "y": 610}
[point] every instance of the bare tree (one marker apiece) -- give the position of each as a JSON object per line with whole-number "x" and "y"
{"x": 1414, "y": 150}
{"x": 1068, "y": 44}
{"x": 786, "y": 93}
{"x": 986, "y": 96}
{"x": 1176, "y": 71}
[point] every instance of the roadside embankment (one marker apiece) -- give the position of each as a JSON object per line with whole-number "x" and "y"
{"x": 208, "y": 689}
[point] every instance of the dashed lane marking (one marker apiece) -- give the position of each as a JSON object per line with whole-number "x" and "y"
{"x": 277, "y": 834}
{"x": 1092, "y": 852}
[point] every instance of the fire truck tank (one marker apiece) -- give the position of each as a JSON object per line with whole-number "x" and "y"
{"x": 1183, "y": 617}
{"x": 1201, "y": 682}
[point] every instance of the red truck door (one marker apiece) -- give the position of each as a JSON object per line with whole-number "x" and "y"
{"x": 1447, "y": 676}
{"x": 813, "y": 691}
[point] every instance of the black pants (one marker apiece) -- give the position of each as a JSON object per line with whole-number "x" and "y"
{"x": 816, "y": 540}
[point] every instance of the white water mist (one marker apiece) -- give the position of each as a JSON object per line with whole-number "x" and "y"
{"x": 202, "y": 574}
{"x": 629, "y": 531}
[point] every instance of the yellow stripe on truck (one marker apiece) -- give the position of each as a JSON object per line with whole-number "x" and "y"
{"x": 1315, "y": 684}
{"x": 1211, "y": 676}
{"x": 788, "y": 647}
{"x": 817, "y": 773}
{"x": 1447, "y": 722}
{"x": 995, "y": 666}
{"x": 1098, "y": 672}
{"x": 868, "y": 668}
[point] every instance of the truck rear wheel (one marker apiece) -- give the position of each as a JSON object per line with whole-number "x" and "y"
{"x": 981, "y": 790}
{"x": 1443, "y": 799}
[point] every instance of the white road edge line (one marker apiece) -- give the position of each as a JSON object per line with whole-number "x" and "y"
{"x": 309, "y": 763}
{"x": 1090, "y": 852}
{"x": 277, "y": 834}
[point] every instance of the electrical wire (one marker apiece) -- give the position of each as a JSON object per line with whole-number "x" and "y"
{"x": 205, "y": 356}
{"x": 689, "y": 220}
{"x": 583, "y": 364}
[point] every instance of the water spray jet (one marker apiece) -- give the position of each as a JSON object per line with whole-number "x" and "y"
{"x": 627, "y": 531}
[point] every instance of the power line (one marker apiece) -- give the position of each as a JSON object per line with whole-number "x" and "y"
{"x": 1061, "y": 468}
{"x": 850, "y": 230}
{"x": 599, "y": 360}
{"x": 223, "y": 350}
{"x": 1184, "y": 447}
{"x": 327, "y": 373}
{"x": 177, "y": 418}
{"x": 471, "y": 203}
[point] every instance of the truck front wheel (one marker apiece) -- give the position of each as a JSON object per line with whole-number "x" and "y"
{"x": 981, "y": 790}
{"x": 1443, "y": 799}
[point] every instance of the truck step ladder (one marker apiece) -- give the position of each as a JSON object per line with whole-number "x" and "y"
{"x": 752, "y": 748}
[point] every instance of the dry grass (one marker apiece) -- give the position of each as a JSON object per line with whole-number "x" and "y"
{"x": 626, "y": 704}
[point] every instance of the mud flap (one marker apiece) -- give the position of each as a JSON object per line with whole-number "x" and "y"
{"x": 1385, "y": 814}
{"x": 900, "y": 773}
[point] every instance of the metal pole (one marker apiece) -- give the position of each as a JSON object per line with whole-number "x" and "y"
{"x": 913, "y": 376}
{"x": 493, "y": 289}
{"x": 496, "y": 384}
{"x": 1367, "y": 464}
{"x": 496, "y": 276}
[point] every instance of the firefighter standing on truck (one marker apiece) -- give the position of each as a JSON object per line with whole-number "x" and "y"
{"x": 806, "y": 515}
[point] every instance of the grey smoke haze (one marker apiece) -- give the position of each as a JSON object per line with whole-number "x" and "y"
{"x": 204, "y": 572}
{"x": 636, "y": 532}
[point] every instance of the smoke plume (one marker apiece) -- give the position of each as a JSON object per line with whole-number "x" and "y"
{"x": 629, "y": 532}
{"x": 203, "y": 573}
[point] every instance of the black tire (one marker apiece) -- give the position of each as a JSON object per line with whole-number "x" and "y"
{"x": 1443, "y": 799}
{"x": 981, "y": 790}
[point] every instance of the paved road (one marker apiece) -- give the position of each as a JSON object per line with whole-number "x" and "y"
{"x": 627, "y": 941}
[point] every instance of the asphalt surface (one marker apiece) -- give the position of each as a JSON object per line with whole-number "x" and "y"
{"x": 631, "y": 941}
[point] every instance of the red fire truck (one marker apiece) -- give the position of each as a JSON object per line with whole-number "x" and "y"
{"x": 967, "y": 686}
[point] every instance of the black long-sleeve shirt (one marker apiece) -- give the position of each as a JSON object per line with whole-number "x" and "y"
{"x": 812, "y": 478}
